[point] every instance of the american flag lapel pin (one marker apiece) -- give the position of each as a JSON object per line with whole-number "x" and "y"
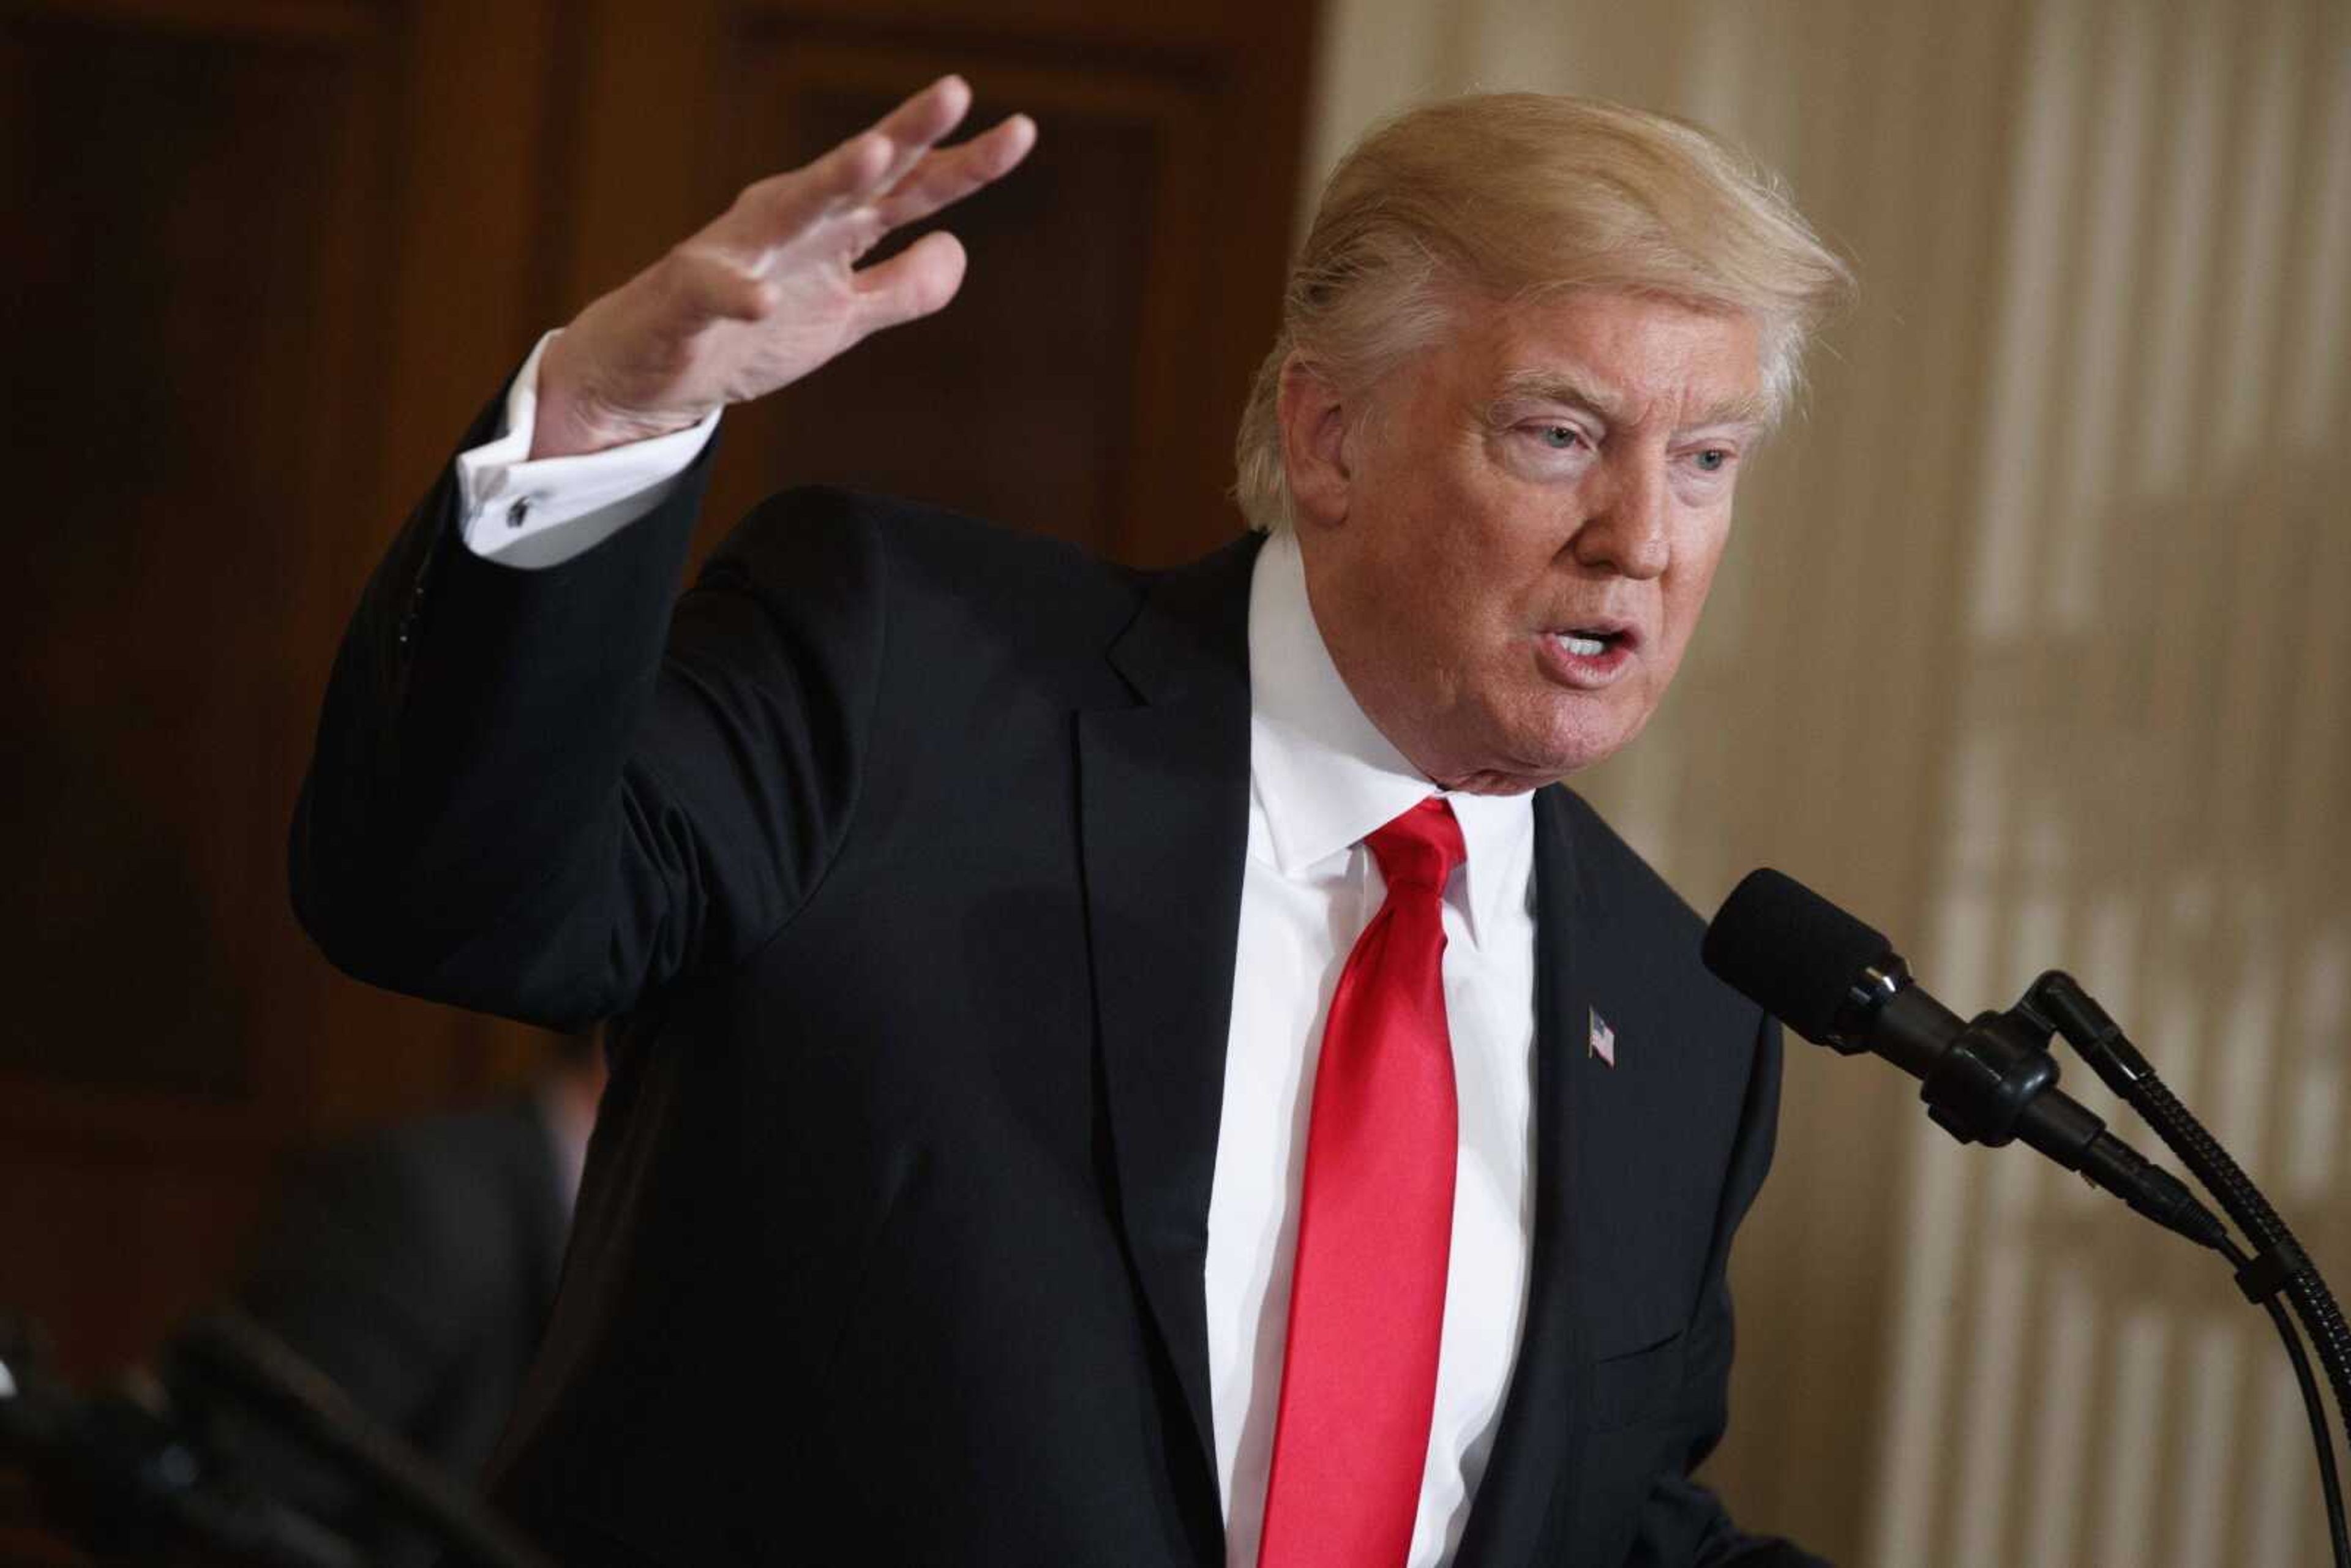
{"x": 1602, "y": 1038}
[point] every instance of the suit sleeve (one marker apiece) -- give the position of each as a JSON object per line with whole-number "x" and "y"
{"x": 1682, "y": 1521}
{"x": 542, "y": 793}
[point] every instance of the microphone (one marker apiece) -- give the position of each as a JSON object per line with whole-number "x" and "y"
{"x": 1839, "y": 983}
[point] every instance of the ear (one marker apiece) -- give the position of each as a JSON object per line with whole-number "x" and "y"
{"x": 1314, "y": 444}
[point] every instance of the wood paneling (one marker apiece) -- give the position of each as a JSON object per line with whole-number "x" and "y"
{"x": 1122, "y": 286}
{"x": 169, "y": 192}
{"x": 1021, "y": 404}
{"x": 267, "y": 258}
{"x": 210, "y": 206}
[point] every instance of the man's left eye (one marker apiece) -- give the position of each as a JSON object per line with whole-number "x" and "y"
{"x": 1713, "y": 460}
{"x": 1560, "y": 437}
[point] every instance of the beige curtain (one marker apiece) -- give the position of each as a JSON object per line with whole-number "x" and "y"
{"x": 2033, "y": 648}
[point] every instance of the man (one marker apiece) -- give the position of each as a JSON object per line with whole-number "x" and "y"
{"x": 1121, "y": 1068}
{"x": 414, "y": 1267}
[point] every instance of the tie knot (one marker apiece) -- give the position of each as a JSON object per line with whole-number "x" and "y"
{"x": 1419, "y": 848}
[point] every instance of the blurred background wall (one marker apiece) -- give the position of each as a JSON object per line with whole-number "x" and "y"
{"x": 2033, "y": 647}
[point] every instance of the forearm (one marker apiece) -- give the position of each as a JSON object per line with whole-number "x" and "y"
{"x": 471, "y": 752}
{"x": 515, "y": 803}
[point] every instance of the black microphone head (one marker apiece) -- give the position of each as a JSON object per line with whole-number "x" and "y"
{"x": 1779, "y": 942}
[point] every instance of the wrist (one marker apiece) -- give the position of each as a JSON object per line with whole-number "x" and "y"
{"x": 570, "y": 421}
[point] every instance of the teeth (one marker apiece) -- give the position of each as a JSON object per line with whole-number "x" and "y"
{"x": 1588, "y": 647}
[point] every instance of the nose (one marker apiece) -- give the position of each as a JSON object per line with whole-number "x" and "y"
{"x": 1627, "y": 527}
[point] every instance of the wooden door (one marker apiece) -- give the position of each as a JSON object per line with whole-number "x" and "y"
{"x": 267, "y": 258}
{"x": 1122, "y": 286}
{"x": 228, "y": 231}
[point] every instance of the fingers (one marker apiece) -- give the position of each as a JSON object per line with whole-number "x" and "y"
{"x": 861, "y": 168}
{"x": 913, "y": 129}
{"x": 952, "y": 173}
{"x": 916, "y": 281}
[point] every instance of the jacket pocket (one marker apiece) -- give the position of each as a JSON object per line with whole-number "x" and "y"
{"x": 1635, "y": 1385}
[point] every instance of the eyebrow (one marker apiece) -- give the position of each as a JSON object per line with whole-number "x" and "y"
{"x": 1563, "y": 387}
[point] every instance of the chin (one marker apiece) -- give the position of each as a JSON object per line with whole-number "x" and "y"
{"x": 1561, "y": 750}
{"x": 1496, "y": 784}
{"x": 1542, "y": 742}
{"x": 1521, "y": 769}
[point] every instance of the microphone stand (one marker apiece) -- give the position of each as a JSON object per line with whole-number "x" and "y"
{"x": 2056, "y": 1004}
{"x": 132, "y": 1472}
{"x": 117, "y": 1473}
{"x": 1991, "y": 1081}
{"x": 227, "y": 1355}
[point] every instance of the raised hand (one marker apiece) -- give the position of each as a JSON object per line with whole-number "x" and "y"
{"x": 771, "y": 289}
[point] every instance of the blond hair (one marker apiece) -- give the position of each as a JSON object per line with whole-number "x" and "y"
{"x": 1504, "y": 195}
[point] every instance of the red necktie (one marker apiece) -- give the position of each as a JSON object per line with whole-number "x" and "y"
{"x": 1374, "y": 1228}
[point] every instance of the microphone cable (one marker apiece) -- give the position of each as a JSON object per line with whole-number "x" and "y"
{"x": 2278, "y": 1264}
{"x": 2329, "y": 1484}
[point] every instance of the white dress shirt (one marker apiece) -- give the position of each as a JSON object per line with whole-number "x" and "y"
{"x": 1321, "y": 777}
{"x": 533, "y": 515}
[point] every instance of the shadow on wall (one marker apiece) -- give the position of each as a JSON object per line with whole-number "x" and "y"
{"x": 2146, "y": 789}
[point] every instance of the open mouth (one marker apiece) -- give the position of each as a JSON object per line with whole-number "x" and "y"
{"x": 1593, "y": 641}
{"x": 1592, "y": 656}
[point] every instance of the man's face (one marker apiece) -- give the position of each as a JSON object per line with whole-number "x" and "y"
{"x": 1507, "y": 560}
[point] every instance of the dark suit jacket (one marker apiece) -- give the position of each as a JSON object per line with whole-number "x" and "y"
{"x": 415, "y": 1267}
{"x": 916, "y": 857}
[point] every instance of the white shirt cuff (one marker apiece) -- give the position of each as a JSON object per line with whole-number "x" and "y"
{"x": 533, "y": 515}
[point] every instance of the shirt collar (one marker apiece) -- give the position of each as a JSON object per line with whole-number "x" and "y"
{"x": 1325, "y": 777}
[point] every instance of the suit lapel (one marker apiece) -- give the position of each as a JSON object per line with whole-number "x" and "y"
{"x": 1164, "y": 818}
{"x": 1511, "y": 1520}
